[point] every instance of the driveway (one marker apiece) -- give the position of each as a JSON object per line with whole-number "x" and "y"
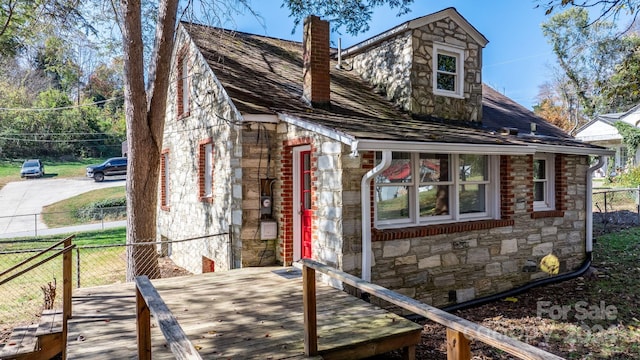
{"x": 20, "y": 200}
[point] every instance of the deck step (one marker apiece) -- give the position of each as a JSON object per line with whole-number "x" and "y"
{"x": 23, "y": 340}
{"x": 50, "y": 322}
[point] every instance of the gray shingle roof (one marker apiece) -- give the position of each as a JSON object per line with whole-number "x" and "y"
{"x": 263, "y": 75}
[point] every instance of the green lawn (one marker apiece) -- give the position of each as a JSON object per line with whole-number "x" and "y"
{"x": 65, "y": 212}
{"x": 10, "y": 169}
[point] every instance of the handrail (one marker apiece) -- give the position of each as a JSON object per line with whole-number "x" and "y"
{"x": 43, "y": 261}
{"x": 66, "y": 279}
{"x": 35, "y": 256}
{"x": 459, "y": 330}
{"x": 148, "y": 301}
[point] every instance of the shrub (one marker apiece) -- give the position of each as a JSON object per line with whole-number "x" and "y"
{"x": 108, "y": 208}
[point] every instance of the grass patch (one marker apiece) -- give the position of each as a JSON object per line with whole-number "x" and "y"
{"x": 10, "y": 169}
{"x": 68, "y": 212}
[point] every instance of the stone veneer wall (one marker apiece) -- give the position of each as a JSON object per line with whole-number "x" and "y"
{"x": 446, "y": 268}
{"x": 402, "y": 68}
{"x": 387, "y": 66}
{"x": 259, "y": 145}
{"x": 423, "y": 101}
{"x": 329, "y": 200}
{"x": 187, "y": 216}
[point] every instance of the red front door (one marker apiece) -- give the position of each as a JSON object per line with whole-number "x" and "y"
{"x": 305, "y": 203}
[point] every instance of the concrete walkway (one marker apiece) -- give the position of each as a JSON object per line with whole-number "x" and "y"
{"x": 22, "y": 201}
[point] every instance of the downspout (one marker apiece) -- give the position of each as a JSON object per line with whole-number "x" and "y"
{"x": 551, "y": 280}
{"x": 365, "y": 195}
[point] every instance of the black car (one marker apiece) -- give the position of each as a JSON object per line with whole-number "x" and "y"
{"x": 111, "y": 167}
{"x": 32, "y": 168}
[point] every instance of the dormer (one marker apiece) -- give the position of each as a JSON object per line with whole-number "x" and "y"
{"x": 429, "y": 66}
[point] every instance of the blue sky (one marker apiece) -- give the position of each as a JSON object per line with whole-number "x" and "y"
{"x": 516, "y": 59}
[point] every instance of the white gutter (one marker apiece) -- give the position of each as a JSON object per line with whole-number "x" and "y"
{"x": 589, "y": 205}
{"x": 570, "y": 150}
{"x": 452, "y": 148}
{"x": 365, "y": 194}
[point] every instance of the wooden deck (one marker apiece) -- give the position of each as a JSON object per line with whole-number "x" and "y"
{"x": 251, "y": 313}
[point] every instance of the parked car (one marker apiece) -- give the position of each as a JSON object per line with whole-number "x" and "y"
{"x": 111, "y": 167}
{"x": 32, "y": 168}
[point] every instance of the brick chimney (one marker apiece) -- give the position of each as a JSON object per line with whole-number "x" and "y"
{"x": 315, "y": 70}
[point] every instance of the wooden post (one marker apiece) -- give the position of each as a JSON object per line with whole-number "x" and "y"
{"x": 66, "y": 293}
{"x": 66, "y": 280}
{"x": 457, "y": 346}
{"x": 143, "y": 323}
{"x": 310, "y": 321}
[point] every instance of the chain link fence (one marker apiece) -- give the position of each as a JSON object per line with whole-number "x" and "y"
{"x": 615, "y": 209}
{"x": 26, "y": 296}
{"x": 38, "y": 224}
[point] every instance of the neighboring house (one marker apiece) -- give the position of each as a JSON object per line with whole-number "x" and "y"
{"x": 394, "y": 163}
{"x": 600, "y": 131}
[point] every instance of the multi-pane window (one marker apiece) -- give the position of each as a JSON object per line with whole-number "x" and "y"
{"x": 206, "y": 169}
{"x": 423, "y": 188}
{"x": 543, "y": 182}
{"x": 448, "y": 70}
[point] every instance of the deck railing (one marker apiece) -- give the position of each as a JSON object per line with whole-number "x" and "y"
{"x": 23, "y": 268}
{"x": 148, "y": 302}
{"x": 459, "y": 330}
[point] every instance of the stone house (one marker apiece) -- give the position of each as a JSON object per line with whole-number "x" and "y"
{"x": 390, "y": 160}
{"x": 600, "y": 131}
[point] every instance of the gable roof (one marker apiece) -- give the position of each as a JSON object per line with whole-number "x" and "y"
{"x": 263, "y": 75}
{"x": 418, "y": 23}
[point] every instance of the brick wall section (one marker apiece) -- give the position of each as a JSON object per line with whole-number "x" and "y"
{"x": 316, "y": 61}
{"x": 164, "y": 204}
{"x": 507, "y": 201}
{"x": 189, "y": 216}
{"x": 287, "y": 211}
{"x": 202, "y": 157}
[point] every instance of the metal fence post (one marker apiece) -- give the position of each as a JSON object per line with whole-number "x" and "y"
{"x": 77, "y": 267}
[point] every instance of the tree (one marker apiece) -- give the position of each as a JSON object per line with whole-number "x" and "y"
{"x": 622, "y": 89}
{"x": 145, "y": 106}
{"x": 630, "y": 137}
{"x": 609, "y": 9}
{"x": 587, "y": 54}
{"x": 21, "y": 21}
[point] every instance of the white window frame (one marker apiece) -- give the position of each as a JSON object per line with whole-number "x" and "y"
{"x": 549, "y": 202}
{"x": 458, "y": 53}
{"x": 492, "y": 196}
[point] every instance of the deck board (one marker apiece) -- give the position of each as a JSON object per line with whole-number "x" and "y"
{"x": 239, "y": 314}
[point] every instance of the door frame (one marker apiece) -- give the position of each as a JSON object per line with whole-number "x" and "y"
{"x": 297, "y": 219}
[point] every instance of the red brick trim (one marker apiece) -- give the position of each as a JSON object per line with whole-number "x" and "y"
{"x": 181, "y": 83}
{"x": 286, "y": 198}
{"x": 430, "y": 230}
{"x": 201, "y": 169}
{"x": 547, "y": 214}
{"x": 507, "y": 200}
{"x": 164, "y": 205}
